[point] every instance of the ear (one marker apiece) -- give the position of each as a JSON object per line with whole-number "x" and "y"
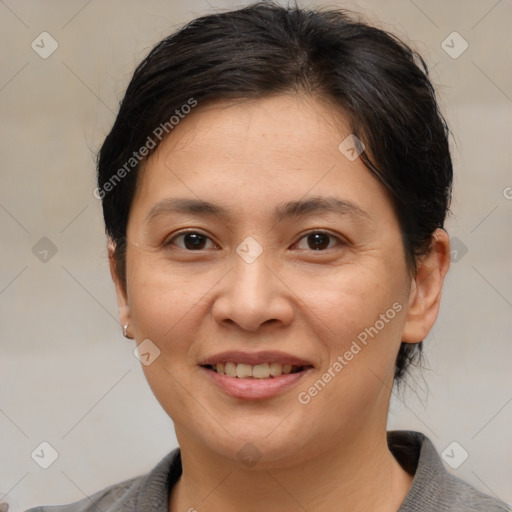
{"x": 122, "y": 300}
{"x": 426, "y": 288}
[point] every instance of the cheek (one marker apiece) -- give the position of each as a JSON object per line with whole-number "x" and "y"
{"x": 166, "y": 308}
{"x": 364, "y": 318}
{"x": 343, "y": 302}
{"x": 360, "y": 316}
{"x": 165, "y": 304}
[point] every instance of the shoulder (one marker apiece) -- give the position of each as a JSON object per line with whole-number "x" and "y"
{"x": 107, "y": 500}
{"x": 464, "y": 497}
{"x": 148, "y": 492}
{"x": 434, "y": 489}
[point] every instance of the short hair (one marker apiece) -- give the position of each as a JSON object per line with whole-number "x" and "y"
{"x": 378, "y": 82}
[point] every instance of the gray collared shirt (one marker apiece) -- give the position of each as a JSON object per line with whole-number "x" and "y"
{"x": 433, "y": 489}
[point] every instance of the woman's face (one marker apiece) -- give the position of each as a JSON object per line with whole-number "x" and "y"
{"x": 263, "y": 286}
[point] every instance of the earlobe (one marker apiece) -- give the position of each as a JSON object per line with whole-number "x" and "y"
{"x": 122, "y": 301}
{"x": 426, "y": 289}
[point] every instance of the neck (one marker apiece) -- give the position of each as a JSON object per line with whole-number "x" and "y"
{"x": 360, "y": 474}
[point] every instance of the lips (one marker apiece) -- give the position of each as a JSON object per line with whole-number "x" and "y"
{"x": 255, "y": 358}
{"x": 260, "y": 365}
{"x": 255, "y": 375}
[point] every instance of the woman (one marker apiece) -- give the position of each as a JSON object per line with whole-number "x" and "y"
{"x": 274, "y": 192}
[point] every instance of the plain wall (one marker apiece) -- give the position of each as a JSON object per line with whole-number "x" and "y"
{"x": 69, "y": 377}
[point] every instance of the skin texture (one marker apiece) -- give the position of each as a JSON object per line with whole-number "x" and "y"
{"x": 248, "y": 157}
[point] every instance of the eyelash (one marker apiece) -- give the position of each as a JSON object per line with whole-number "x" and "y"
{"x": 182, "y": 233}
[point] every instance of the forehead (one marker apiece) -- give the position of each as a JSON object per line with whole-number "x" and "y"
{"x": 268, "y": 126}
{"x": 257, "y": 155}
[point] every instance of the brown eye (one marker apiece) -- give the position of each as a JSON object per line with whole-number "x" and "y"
{"x": 319, "y": 240}
{"x": 192, "y": 240}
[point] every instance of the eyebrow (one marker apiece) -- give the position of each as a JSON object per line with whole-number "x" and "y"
{"x": 290, "y": 209}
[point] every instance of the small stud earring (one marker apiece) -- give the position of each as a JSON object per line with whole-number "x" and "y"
{"x": 125, "y": 333}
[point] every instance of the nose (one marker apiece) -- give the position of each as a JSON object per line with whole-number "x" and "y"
{"x": 252, "y": 295}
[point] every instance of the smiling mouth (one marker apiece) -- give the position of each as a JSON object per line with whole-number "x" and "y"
{"x": 257, "y": 371}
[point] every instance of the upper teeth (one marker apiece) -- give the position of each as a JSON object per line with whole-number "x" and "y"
{"x": 258, "y": 371}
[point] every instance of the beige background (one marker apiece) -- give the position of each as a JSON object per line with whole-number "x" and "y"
{"x": 68, "y": 376}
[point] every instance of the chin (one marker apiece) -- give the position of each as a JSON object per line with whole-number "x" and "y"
{"x": 258, "y": 445}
